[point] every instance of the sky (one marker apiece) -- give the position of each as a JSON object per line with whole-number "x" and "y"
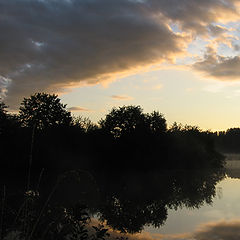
{"x": 178, "y": 57}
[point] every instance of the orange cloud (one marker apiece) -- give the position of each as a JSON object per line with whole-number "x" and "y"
{"x": 121, "y": 97}
{"x": 219, "y": 230}
{"x": 224, "y": 230}
{"x": 78, "y": 109}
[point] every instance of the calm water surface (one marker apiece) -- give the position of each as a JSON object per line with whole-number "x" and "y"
{"x": 179, "y": 205}
{"x": 219, "y": 220}
{"x": 167, "y": 205}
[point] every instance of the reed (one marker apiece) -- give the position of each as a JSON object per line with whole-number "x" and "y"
{"x": 2, "y": 212}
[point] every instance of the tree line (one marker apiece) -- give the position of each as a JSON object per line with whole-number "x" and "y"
{"x": 126, "y": 138}
{"x": 119, "y": 168}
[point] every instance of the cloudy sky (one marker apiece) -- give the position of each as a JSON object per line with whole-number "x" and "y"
{"x": 178, "y": 57}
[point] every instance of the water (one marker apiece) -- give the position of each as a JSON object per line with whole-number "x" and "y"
{"x": 218, "y": 220}
{"x": 224, "y": 209}
{"x": 181, "y": 205}
{"x": 162, "y": 205}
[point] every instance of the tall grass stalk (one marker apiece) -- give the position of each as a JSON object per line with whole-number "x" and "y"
{"x": 43, "y": 209}
{"x": 2, "y": 211}
{"x": 26, "y": 220}
{"x": 31, "y": 158}
{"x": 39, "y": 179}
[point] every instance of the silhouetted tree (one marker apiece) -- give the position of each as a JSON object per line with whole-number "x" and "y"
{"x": 129, "y": 119}
{"x": 123, "y": 120}
{"x": 156, "y": 122}
{"x": 229, "y": 141}
{"x": 136, "y": 136}
{"x": 2, "y": 109}
{"x": 83, "y": 123}
{"x": 3, "y": 115}
{"x": 8, "y": 122}
{"x": 44, "y": 110}
{"x": 193, "y": 148}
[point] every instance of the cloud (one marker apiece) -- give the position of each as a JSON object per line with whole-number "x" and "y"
{"x": 121, "y": 97}
{"x": 78, "y": 109}
{"x": 217, "y": 30}
{"x": 198, "y": 15}
{"x": 52, "y": 45}
{"x": 3, "y": 86}
{"x": 48, "y": 45}
{"x": 219, "y": 230}
{"x": 219, "y": 67}
{"x": 224, "y": 230}
{"x": 144, "y": 235}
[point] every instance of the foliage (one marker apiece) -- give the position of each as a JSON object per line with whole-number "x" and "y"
{"x": 156, "y": 122}
{"x": 133, "y": 134}
{"x": 124, "y": 139}
{"x": 3, "y": 116}
{"x": 8, "y": 122}
{"x": 123, "y": 120}
{"x": 228, "y": 141}
{"x": 127, "y": 120}
{"x": 43, "y": 218}
{"x": 3, "y": 111}
{"x": 193, "y": 148}
{"x": 44, "y": 110}
{"x": 83, "y": 123}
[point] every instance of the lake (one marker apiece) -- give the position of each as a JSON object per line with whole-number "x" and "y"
{"x": 224, "y": 210}
{"x": 160, "y": 204}
{"x": 182, "y": 206}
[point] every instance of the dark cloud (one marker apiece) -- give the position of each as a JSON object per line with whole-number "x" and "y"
{"x": 52, "y": 44}
{"x": 47, "y": 45}
{"x": 236, "y": 47}
{"x": 196, "y": 15}
{"x": 223, "y": 68}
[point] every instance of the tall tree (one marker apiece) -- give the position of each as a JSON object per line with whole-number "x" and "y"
{"x": 3, "y": 111}
{"x": 43, "y": 110}
{"x": 123, "y": 120}
{"x": 3, "y": 115}
{"x": 128, "y": 119}
{"x": 156, "y": 122}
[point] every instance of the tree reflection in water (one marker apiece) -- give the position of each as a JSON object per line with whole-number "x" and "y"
{"x": 126, "y": 201}
{"x": 130, "y": 201}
